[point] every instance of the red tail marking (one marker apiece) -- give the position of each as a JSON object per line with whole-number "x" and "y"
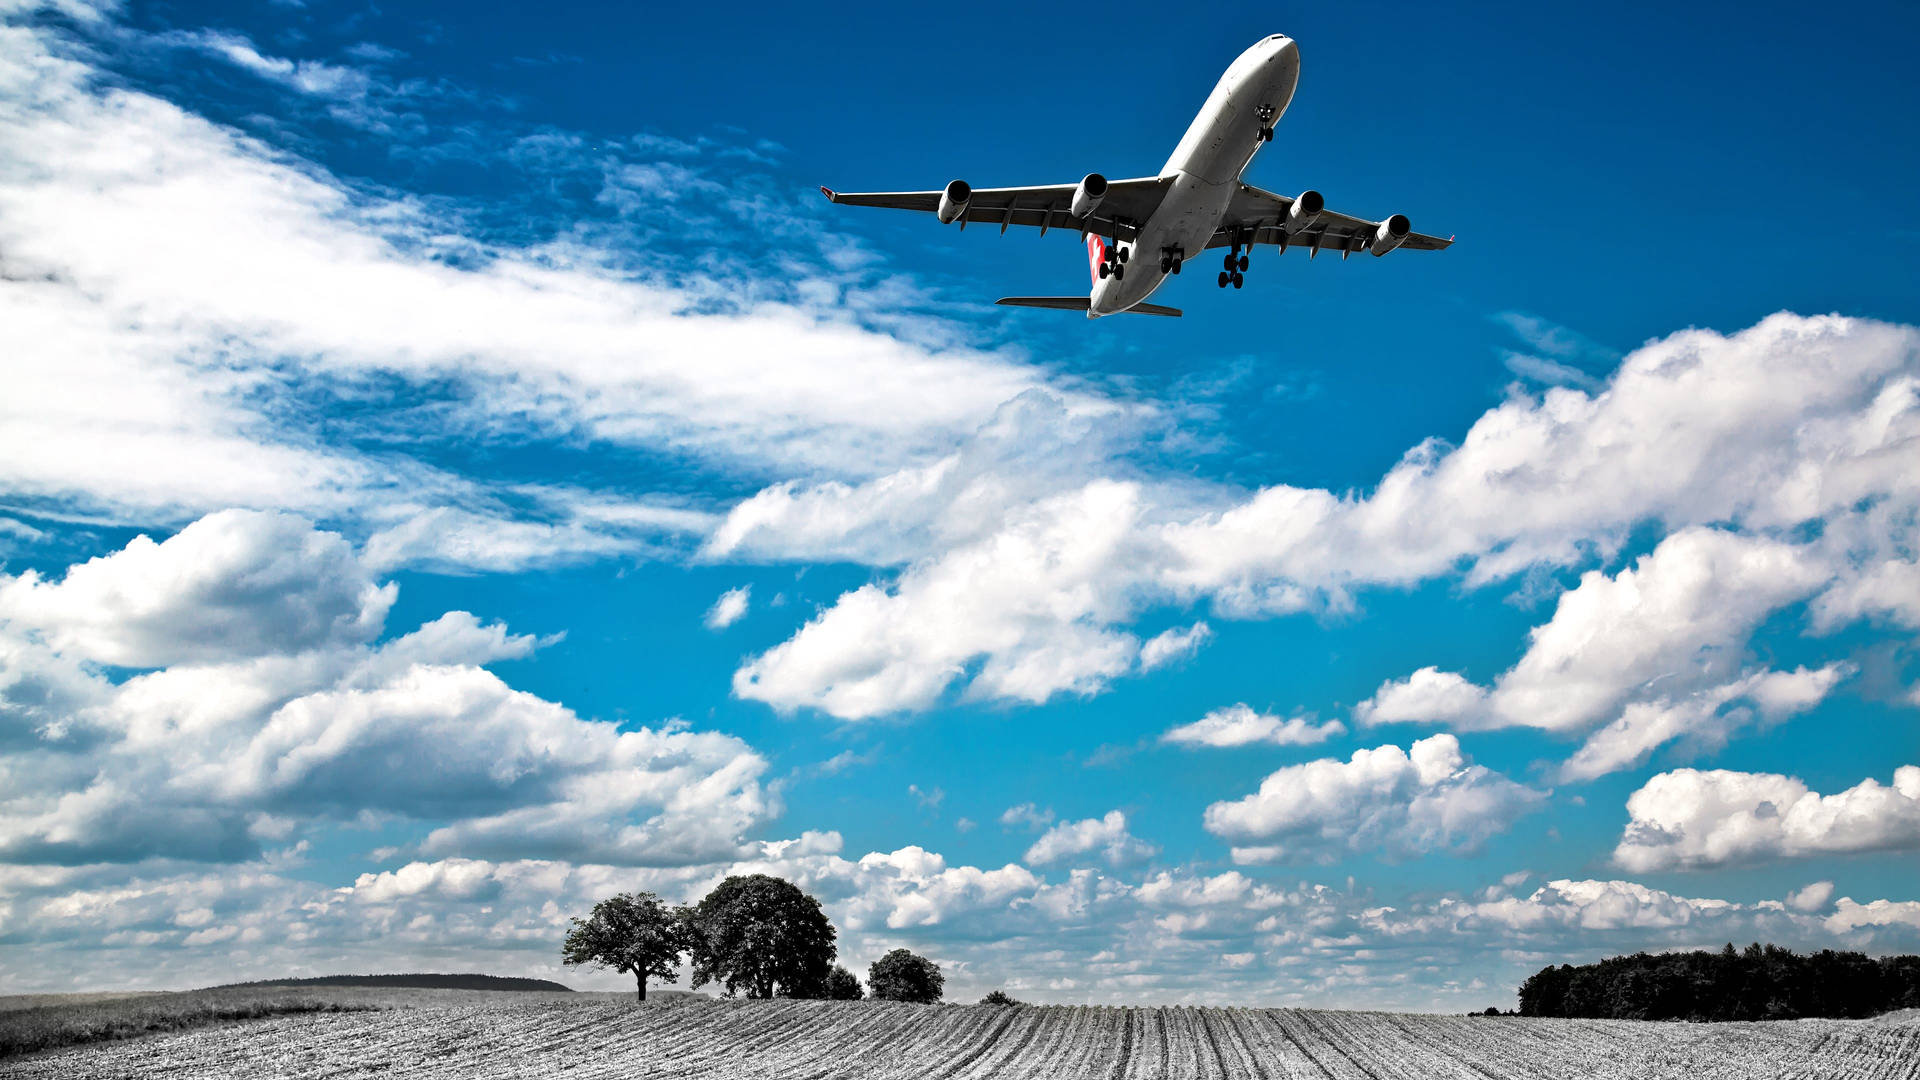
{"x": 1096, "y": 254}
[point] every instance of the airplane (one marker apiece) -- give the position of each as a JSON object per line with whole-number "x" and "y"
{"x": 1197, "y": 203}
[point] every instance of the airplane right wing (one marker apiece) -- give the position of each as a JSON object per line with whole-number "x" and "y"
{"x": 1127, "y": 205}
{"x": 1260, "y": 217}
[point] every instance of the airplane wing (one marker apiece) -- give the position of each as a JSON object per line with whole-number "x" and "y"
{"x": 1127, "y": 205}
{"x": 1262, "y": 215}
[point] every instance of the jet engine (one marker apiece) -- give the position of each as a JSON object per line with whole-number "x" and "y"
{"x": 953, "y": 201}
{"x": 1304, "y": 209}
{"x": 1391, "y": 232}
{"x": 1086, "y": 197}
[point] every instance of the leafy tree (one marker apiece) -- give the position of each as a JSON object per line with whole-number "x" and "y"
{"x": 999, "y": 997}
{"x": 1760, "y": 982}
{"x": 761, "y": 935}
{"x": 631, "y": 932}
{"x": 843, "y": 985}
{"x": 903, "y": 976}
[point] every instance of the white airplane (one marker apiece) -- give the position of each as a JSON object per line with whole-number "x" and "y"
{"x": 1195, "y": 204}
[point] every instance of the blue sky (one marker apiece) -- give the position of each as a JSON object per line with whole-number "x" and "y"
{"x": 1370, "y": 636}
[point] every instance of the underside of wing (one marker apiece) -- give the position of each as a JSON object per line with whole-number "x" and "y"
{"x": 1081, "y": 303}
{"x": 1125, "y": 207}
{"x": 1264, "y": 217}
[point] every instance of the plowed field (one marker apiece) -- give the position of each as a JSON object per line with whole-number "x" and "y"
{"x": 686, "y": 1039}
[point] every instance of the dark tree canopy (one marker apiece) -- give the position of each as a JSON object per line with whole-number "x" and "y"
{"x": 631, "y": 932}
{"x": 1759, "y": 983}
{"x": 999, "y": 997}
{"x": 761, "y": 936}
{"x": 903, "y": 976}
{"x": 843, "y": 985}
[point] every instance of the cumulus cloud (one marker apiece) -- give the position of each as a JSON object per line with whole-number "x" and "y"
{"x": 1029, "y": 599}
{"x": 1394, "y": 802}
{"x": 1728, "y": 441}
{"x": 1239, "y": 725}
{"x": 1105, "y": 837}
{"x": 269, "y": 715}
{"x": 1690, "y": 818}
{"x": 729, "y": 609}
{"x": 232, "y": 585}
{"x": 1652, "y": 654}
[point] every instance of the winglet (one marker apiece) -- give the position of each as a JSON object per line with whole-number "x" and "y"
{"x": 829, "y": 193}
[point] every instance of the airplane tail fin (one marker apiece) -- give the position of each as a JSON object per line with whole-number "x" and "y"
{"x": 1096, "y": 254}
{"x": 1081, "y": 303}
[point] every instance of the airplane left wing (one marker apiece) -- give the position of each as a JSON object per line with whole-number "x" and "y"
{"x": 1127, "y": 205}
{"x": 1260, "y": 217}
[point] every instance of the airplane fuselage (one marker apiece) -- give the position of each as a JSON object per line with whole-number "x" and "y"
{"x": 1205, "y": 169}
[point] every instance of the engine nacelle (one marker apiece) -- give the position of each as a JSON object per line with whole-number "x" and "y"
{"x": 1086, "y": 197}
{"x": 953, "y": 201}
{"x": 1390, "y": 233}
{"x": 1304, "y": 210}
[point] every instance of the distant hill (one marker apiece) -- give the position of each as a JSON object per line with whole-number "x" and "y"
{"x": 414, "y": 981}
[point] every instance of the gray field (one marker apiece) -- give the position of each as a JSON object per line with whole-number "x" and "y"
{"x": 493, "y": 1034}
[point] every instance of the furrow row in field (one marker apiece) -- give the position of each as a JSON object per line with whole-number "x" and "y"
{"x": 789, "y": 1040}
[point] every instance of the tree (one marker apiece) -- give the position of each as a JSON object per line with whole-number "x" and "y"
{"x": 763, "y": 936}
{"x": 902, "y": 976}
{"x": 631, "y": 932}
{"x": 999, "y": 997}
{"x": 843, "y": 985}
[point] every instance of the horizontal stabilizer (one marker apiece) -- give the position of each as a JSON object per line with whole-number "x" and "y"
{"x": 1081, "y": 303}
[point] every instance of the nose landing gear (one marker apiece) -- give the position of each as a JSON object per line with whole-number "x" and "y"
{"x": 1170, "y": 260}
{"x": 1266, "y": 114}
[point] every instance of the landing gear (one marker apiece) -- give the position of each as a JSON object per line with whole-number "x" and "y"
{"x": 1170, "y": 261}
{"x": 1266, "y": 113}
{"x": 1235, "y": 263}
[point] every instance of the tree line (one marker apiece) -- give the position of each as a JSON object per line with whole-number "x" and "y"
{"x": 754, "y": 935}
{"x": 1761, "y": 982}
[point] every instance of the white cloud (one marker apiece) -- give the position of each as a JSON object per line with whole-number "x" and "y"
{"x": 1029, "y": 599}
{"x": 1028, "y": 816}
{"x": 1727, "y": 441}
{"x": 1169, "y": 646}
{"x": 179, "y": 286}
{"x": 1812, "y": 898}
{"x": 1655, "y": 653}
{"x": 231, "y": 585}
{"x": 269, "y": 716}
{"x": 1396, "y": 802}
{"x": 1429, "y": 695}
{"x": 1106, "y": 837}
{"x": 1692, "y": 818}
{"x": 1239, "y": 725}
{"x": 729, "y": 609}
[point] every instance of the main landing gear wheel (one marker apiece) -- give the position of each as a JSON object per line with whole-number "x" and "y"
{"x": 1237, "y": 279}
{"x": 1232, "y": 262}
{"x": 1224, "y": 278}
{"x": 1119, "y": 273}
{"x": 1105, "y": 270}
{"x": 1243, "y": 262}
{"x": 1121, "y": 254}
